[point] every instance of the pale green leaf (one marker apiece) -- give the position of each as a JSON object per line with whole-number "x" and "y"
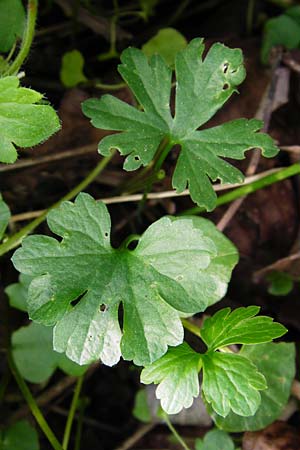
{"x": 23, "y": 122}
{"x": 179, "y": 267}
{"x": 12, "y": 21}
{"x": 231, "y": 383}
{"x": 4, "y": 216}
{"x": 18, "y": 292}
{"x": 215, "y": 440}
{"x": 176, "y": 373}
{"x": 71, "y": 73}
{"x": 34, "y": 356}
{"x": 277, "y": 363}
{"x": 19, "y": 436}
{"x": 239, "y": 326}
{"x": 167, "y": 43}
{"x": 202, "y": 87}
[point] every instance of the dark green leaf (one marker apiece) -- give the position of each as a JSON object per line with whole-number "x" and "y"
{"x": 180, "y": 266}
{"x": 239, "y": 326}
{"x": 23, "y": 122}
{"x": 12, "y": 21}
{"x": 4, "y": 216}
{"x": 203, "y": 86}
{"x": 280, "y": 283}
{"x": 231, "y": 383}
{"x": 141, "y": 409}
{"x": 277, "y": 363}
{"x": 215, "y": 440}
{"x": 176, "y": 373}
{"x": 20, "y": 436}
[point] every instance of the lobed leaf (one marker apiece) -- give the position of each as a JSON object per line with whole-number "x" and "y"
{"x": 23, "y": 122}
{"x": 276, "y": 361}
{"x": 177, "y": 375}
{"x": 202, "y": 87}
{"x": 231, "y": 383}
{"x": 179, "y": 267}
{"x": 239, "y": 327}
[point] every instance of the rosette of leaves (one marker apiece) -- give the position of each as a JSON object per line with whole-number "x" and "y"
{"x": 179, "y": 267}
{"x": 231, "y": 382}
{"x": 202, "y": 87}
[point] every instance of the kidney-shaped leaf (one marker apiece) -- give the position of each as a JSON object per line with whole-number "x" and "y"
{"x": 213, "y": 440}
{"x": 239, "y": 326}
{"x": 179, "y": 266}
{"x": 19, "y": 436}
{"x": 203, "y": 86}
{"x": 23, "y": 122}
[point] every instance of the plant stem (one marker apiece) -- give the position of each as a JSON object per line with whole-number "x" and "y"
{"x": 191, "y": 327}
{"x": 16, "y": 238}
{"x": 109, "y": 87}
{"x": 174, "y": 432}
{"x": 35, "y": 410}
{"x": 32, "y": 8}
{"x": 82, "y": 407}
{"x": 250, "y": 188}
{"x": 72, "y": 411}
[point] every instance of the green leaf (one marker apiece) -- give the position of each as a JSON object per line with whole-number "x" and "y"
{"x": 277, "y": 363}
{"x": 20, "y": 436}
{"x": 203, "y": 86}
{"x": 4, "y": 216}
{"x": 148, "y": 7}
{"x": 22, "y": 122}
{"x": 231, "y": 382}
{"x": 281, "y": 283}
{"x": 18, "y": 293}
{"x": 34, "y": 356}
{"x": 177, "y": 375}
{"x": 141, "y": 409}
{"x": 12, "y": 21}
{"x": 239, "y": 327}
{"x": 213, "y": 440}
{"x": 167, "y": 43}
{"x": 179, "y": 266}
{"x": 71, "y": 73}
{"x": 282, "y": 30}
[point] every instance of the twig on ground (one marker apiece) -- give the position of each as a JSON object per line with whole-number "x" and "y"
{"x": 136, "y": 436}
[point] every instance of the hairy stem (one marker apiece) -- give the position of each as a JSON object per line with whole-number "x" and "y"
{"x": 32, "y": 8}
{"x": 16, "y": 238}
{"x": 174, "y": 432}
{"x": 72, "y": 411}
{"x": 250, "y": 188}
{"x": 35, "y": 410}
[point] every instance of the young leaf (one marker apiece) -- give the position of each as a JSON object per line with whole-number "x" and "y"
{"x": 179, "y": 266}
{"x": 4, "y": 216}
{"x": 12, "y": 21}
{"x": 277, "y": 363}
{"x": 34, "y": 356}
{"x": 141, "y": 410}
{"x": 239, "y": 327}
{"x": 167, "y": 43}
{"x": 203, "y": 86}
{"x": 281, "y": 283}
{"x": 215, "y": 440}
{"x": 71, "y": 73}
{"x": 177, "y": 376}
{"x": 231, "y": 382}
{"x": 23, "y": 122}
{"x": 19, "y": 436}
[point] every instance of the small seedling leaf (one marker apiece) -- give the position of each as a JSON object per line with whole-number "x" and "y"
{"x": 71, "y": 73}
{"x": 213, "y": 440}
{"x": 167, "y": 43}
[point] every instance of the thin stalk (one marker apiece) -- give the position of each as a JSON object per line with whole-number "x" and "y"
{"x": 250, "y": 188}
{"x": 16, "y": 238}
{"x": 109, "y": 87}
{"x": 174, "y": 432}
{"x": 35, "y": 410}
{"x": 191, "y": 327}
{"x": 250, "y": 15}
{"x": 82, "y": 407}
{"x": 72, "y": 412}
{"x": 32, "y": 8}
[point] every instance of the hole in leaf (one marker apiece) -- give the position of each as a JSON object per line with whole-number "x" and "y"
{"x": 225, "y": 87}
{"x": 103, "y": 307}
{"x": 225, "y": 67}
{"x": 77, "y": 300}
{"x": 106, "y": 234}
{"x": 136, "y": 158}
{"x": 132, "y": 245}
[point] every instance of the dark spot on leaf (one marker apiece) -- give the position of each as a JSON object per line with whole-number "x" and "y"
{"x": 106, "y": 234}
{"x": 225, "y": 87}
{"x": 137, "y": 158}
{"x": 103, "y": 307}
